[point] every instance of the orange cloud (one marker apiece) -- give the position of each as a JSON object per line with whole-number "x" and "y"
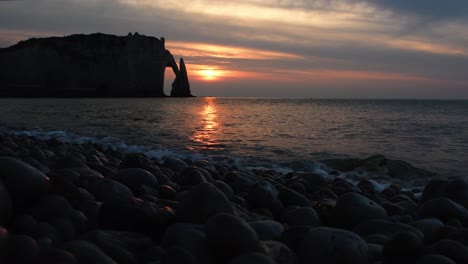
{"x": 194, "y": 49}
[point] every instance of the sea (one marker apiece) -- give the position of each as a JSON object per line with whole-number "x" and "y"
{"x": 269, "y": 133}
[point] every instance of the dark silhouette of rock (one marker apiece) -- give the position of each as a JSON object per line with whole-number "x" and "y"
{"x": 95, "y": 65}
{"x": 181, "y": 86}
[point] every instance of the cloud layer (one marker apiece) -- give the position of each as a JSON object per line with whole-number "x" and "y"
{"x": 339, "y": 48}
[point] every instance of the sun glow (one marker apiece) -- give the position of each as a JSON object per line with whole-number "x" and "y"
{"x": 209, "y": 74}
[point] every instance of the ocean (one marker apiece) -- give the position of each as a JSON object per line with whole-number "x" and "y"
{"x": 282, "y": 134}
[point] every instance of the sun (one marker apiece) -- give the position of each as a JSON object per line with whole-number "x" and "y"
{"x": 209, "y": 74}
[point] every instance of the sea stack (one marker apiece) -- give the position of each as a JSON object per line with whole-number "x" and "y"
{"x": 95, "y": 65}
{"x": 181, "y": 85}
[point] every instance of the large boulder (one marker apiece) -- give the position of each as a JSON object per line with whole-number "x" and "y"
{"x": 328, "y": 245}
{"x": 5, "y": 204}
{"x": 87, "y": 253}
{"x": 444, "y": 209}
{"x": 105, "y": 189}
{"x": 23, "y": 181}
{"x": 135, "y": 216}
{"x": 133, "y": 178}
{"x": 352, "y": 209}
{"x": 201, "y": 202}
{"x": 229, "y": 236}
{"x": 384, "y": 227}
{"x": 190, "y": 237}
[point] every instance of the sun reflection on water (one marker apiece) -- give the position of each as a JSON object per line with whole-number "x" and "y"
{"x": 206, "y": 136}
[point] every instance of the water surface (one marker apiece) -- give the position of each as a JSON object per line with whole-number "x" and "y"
{"x": 429, "y": 134}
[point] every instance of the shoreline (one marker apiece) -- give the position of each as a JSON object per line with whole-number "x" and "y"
{"x": 77, "y": 200}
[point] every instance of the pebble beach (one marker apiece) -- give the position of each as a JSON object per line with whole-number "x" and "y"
{"x": 86, "y": 203}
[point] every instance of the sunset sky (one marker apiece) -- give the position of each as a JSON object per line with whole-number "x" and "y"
{"x": 280, "y": 48}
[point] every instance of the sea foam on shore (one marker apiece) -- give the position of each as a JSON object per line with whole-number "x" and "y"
{"x": 64, "y": 202}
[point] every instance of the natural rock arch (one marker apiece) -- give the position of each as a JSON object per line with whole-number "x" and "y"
{"x": 96, "y": 65}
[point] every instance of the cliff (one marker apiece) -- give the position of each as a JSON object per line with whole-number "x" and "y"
{"x": 96, "y": 65}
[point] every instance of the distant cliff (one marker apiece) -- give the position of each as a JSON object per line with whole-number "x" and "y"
{"x": 96, "y": 65}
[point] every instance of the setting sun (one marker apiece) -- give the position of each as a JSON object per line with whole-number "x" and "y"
{"x": 209, "y": 74}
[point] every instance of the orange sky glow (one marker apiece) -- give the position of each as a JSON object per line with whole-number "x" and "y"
{"x": 279, "y": 48}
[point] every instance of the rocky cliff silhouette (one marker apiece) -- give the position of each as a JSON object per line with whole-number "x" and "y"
{"x": 96, "y": 65}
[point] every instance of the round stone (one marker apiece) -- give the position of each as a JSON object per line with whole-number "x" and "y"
{"x": 23, "y": 181}
{"x": 5, "y": 204}
{"x": 352, "y": 209}
{"x": 230, "y": 236}
{"x": 134, "y": 177}
{"x": 323, "y": 245}
{"x": 252, "y": 258}
{"x": 301, "y": 216}
{"x": 86, "y": 252}
{"x": 435, "y": 259}
{"x": 201, "y": 202}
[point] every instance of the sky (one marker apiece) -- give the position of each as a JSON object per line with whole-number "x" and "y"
{"x": 414, "y": 49}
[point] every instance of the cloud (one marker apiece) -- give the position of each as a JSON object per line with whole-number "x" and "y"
{"x": 255, "y": 43}
{"x": 434, "y": 9}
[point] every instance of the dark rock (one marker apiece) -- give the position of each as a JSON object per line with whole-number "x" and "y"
{"x": 105, "y": 189}
{"x": 135, "y": 216}
{"x": 301, "y": 216}
{"x": 225, "y": 188}
{"x": 111, "y": 245}
{"x": 375, "y": 252}
{"x": 294, "y": 235}
{"x": 252, "y": 258}
{"x": 133, "y": 178}
{"x": 102, "y": 169}
{"x": 175, "y": 164}
{"x": 314, "y": 180}
{"x": 279, "y": 252}
{"x": 87, "y": 253}
{"x": 190, "y": 237}
{"x": 434, "y": 189}
{"x": 50, "y": 206}
{"x": 379, "y": 164}
{"x": 55, "y": 256}
{"x": 23, "y": 181}
{"x": 176, "y": 255}
{"x": 452, "y": 249}
{"x": 264, "y": 195}
{"x": 229, "y": 236}
{"x": 289, "y": 197}
{"x": 167, "y": 192}
{"x": 5, "y": 204}
{"x": 123, "y": 247}
{"x": 181, "y": 86}
{"x": 21, "y": 249}
{"x": 405, "y": 247}
{"x": 44, "y": 229}
{"x": 429, "y": 227}
{"x": 100, "y": 65}
{"x": 384, "y": 227}
{"x": 352, "y": 209}
{"x": 69, "y": 163}
{"x": 64, "y": 227}
{"x": 191, "y": 176}
{"x": 435, "y": 259}
{"x": 239, "y": 181}
{"x": 201, "y": 202}
{"x": 444, "y": 209}
{"x": 87, "y": 172}
{"x": 343, "y": 165}
{"x": 457, "y": 190}
{"x": 329, "y": 245}
{"x": 3, "y": 239}
{"x": 377, "y": 239}
{"x": 91, "y": 210}
{"x": 267, "y": 229}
